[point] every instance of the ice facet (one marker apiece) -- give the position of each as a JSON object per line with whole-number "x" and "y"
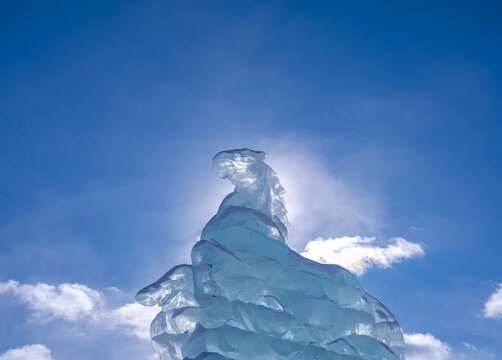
{"x": 248, "y": 296}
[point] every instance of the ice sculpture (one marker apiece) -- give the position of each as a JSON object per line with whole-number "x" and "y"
{"x": 248, "y": 296}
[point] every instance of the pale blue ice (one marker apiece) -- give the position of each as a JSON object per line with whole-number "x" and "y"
{"x": 248, "y": 296}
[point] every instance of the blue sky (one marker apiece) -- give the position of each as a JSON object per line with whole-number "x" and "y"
{"x": 383, "y": 120}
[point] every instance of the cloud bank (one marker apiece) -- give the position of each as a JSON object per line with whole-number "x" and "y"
{"x": 28, "y": 352}
{"x": 358, "y": 254}
{"x": 65, "y": 301}
{"x": 426, "y": 347}
{"x": 76, "y": 302}
{"x": 133, "y": 318}
{"x": 493, "y": 307}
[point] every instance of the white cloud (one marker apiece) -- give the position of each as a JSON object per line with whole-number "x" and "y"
{"x": 470, "y": 346}
{"x": 28, "y": 352}
{"x": 357, "y": 254}
{"x": 76, "y": 302}
{"x": 474, "y": 353}
{"x": 65, "y": 301}
{"x": 493, "y": 307}
{"x": 426, "y": 347}
{"x": 134, "y": 318}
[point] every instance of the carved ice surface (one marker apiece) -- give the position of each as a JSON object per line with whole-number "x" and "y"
{"x": 248, "y": 296}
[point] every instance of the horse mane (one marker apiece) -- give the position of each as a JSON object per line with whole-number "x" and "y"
{"x": 257, "y": 186}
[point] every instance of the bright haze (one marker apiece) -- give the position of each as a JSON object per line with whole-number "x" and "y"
{"x": 381, "y": 119}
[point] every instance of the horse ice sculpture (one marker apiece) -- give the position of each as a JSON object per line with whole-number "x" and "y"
{"x": 248, "y": 296}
